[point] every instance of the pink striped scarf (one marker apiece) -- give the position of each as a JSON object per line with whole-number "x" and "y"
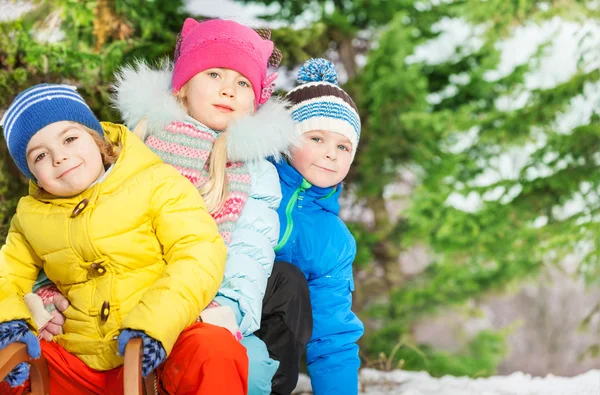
{"x": 187, "y": 146}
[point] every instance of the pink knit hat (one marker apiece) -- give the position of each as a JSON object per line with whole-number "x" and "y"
{"x": 227, "y": 44}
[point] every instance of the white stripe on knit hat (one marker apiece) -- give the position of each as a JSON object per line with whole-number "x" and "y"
{"x": 327, "y": 98}
{"x": 316, "y": 83}
{"x": 29, "y": 104}
{"x": 353, "y": 118}
{"x": 48, "y": 92}
{"x": 36, "y": 92}
{"x": 330, "y": 125}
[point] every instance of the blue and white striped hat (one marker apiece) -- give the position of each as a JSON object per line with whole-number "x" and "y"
{"x": 38, "y": 107}
{"x": 320, "y": 104}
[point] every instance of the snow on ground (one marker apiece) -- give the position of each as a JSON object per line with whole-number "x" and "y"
{"x": 399, "y": 382}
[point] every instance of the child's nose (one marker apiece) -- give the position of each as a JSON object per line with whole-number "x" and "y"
{"x": 59, "y": 158}
{"x": 227, "y": 92}
{"x": 227, "y": 89}
{"x": 331, "y": 153}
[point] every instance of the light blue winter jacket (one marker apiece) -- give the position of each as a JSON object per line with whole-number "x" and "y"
{"x": 250, "y": 255}
{"x": 145, "y": 93}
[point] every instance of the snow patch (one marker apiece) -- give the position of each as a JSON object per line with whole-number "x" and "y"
{"x": 375, "y": 382}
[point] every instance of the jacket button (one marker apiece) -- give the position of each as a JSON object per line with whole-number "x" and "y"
{"x": 105, "y": 312}
{"x": 79, "y": 208}
{"x": 99, "y": 268}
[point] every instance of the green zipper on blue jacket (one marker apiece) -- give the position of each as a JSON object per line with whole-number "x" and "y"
{"x": 288, "y": 213}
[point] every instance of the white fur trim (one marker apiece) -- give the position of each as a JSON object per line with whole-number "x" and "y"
{"x": 268, "y": 132}
{"x": 145, "y": 93}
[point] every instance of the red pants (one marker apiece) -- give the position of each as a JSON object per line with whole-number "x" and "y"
{"x": 205, "y": 360}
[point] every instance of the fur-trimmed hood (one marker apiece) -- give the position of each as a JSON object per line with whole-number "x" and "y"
{"x": 142, "y": 92}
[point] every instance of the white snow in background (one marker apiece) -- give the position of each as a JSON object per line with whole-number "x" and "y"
{"x": 456, "y": 40}
{"x": 570, "y": 47}
{"x": 581, "y": 108}
{"x": 10, "y": 10}
{"x": 462, "y": 141}
{"x": 398, "y": 382}
{"x": 247, "y": 14}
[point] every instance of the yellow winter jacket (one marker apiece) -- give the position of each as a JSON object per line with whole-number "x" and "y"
{"x": 138, "y": 250}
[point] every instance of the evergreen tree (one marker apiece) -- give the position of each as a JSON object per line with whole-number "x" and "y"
{"x": 417, "y": 115}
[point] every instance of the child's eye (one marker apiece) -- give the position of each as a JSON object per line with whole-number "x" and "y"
{"x": 39, "y": 157}
{"x": 69, "y": 140}
{"x": 213, "y": 74}
{"x": 343, "y": 148}
{"x": 316, "y": 139}
{"x": 244, "y": 84}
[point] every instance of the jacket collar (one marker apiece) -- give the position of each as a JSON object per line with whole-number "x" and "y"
{"x": 143, "y": 92}
{"x": 291, "y": 179}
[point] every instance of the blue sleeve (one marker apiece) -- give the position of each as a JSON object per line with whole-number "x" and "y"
{"x": 250, "y": 255}
{"x": 332, "y": 353}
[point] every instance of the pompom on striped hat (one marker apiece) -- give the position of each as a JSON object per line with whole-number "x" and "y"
{"x": 37, "y": 107}
{"x": 318, "y": 103}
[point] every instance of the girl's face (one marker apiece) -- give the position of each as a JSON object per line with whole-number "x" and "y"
{"x": 323, "y": 158}
{"x": 217, "y": 96}
{"x": 64, "y": 158}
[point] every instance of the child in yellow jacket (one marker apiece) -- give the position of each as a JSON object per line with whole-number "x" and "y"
{"x": 126, "y": 239}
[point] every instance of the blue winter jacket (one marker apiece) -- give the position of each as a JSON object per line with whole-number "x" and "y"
{"x": 314, "y": 238}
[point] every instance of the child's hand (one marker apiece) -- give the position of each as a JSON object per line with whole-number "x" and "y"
{"x": 13, "y": 332}
{"x": 221, "y": 316}
{"x": 154, "y": 352}
{"x": 46, "y": 306}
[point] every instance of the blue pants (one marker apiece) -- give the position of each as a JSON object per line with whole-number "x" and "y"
{"x": 261, "y": 368}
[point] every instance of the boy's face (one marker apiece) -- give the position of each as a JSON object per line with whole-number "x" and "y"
{"x": 64, "y": 158}
{"x": 217, "y": 96}
{"x": 323, "y": 158}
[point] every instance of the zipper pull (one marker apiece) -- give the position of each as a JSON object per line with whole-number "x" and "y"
{"x": 305, "y": 185}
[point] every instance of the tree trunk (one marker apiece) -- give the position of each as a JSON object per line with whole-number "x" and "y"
{"x": 347, "y": 54}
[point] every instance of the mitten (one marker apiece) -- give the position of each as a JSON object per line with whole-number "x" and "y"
{"x": 18, "y": 331}
{"x": 154, "y": 353}
{"x": 222, "y": 316}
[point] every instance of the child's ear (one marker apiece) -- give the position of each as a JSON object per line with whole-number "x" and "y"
{"x": 188, "y": 25}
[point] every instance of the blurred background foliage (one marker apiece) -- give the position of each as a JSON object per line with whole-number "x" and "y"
{"x": 501, "y": 187}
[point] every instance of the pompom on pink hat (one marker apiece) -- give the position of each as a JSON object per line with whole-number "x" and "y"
{"x": 226, "y": 44}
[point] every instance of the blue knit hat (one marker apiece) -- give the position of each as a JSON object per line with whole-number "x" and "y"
{"x": 37, "y": 107}
{"x": 318, "y": 103}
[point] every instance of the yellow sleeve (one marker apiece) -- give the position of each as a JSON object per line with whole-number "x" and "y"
{"x": 195, "y": 254}
{"x": 19, "y": 268}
